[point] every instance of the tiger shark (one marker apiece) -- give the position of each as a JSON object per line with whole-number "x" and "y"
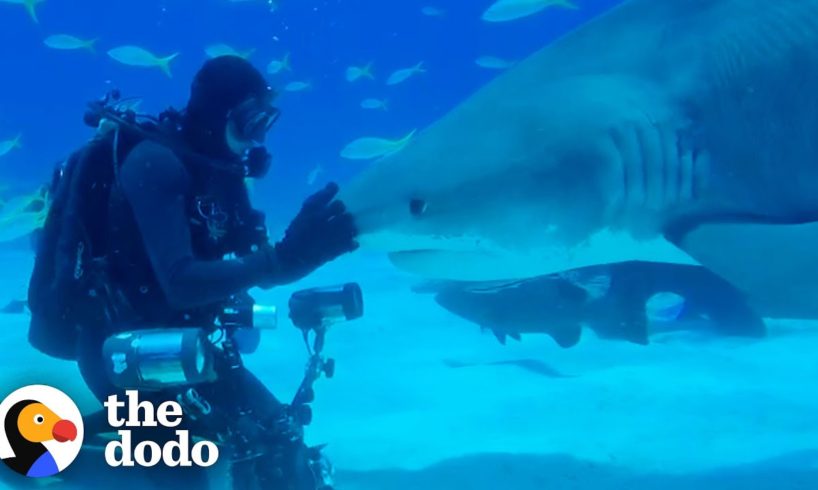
{"x": 673, "y": 131}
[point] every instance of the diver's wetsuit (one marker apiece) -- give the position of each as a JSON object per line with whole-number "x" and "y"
{"x": 174, "y": 274}
{"x": 156, "y": 183}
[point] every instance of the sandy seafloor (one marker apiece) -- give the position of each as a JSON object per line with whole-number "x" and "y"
{"x": 682, "y": 413}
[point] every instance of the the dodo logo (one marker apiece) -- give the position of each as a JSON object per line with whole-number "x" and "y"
{"x": 41, "y": 432}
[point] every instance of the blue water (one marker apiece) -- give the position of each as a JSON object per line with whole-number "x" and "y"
{"x": 678, "y": 415}
{"x": 45, "y": 90}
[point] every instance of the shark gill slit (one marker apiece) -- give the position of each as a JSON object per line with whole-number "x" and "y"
{"x": 683, "y": 165}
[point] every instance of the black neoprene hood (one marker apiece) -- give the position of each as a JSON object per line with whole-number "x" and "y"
{"x": 220, "y": 85}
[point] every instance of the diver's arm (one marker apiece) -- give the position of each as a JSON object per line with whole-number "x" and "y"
{"x": 155, "y": 184}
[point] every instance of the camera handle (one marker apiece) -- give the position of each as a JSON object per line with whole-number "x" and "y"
{"x": 246, "y": 435}
{"x": 240, "y": 428}
{"x": 298, "y": 413}
{"x": 316, "y": 366}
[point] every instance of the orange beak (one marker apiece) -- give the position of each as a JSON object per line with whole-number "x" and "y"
{"x": 64, "y": 431}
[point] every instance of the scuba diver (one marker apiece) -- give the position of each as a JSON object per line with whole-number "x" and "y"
{"x": 151, "y": 226}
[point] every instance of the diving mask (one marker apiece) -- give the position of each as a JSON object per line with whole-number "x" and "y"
{"x": 253, "y": 119}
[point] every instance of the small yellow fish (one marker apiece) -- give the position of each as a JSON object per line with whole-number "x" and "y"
{"x": 21, "y": 215}
{"x": 69, "y": 42}
{"x": 400, "y": 76}
{"x": 506, "y": 10}
{"x": 25, "y": 203}
{"x": 21, "y": 225}
{"x": 136, "y": 56}
{"x": 374, "y": 104}
{"x": 8, "y": 145}
{"x": 297, "y": 86}
{"x": 277, "y": 66}
{"x": 355, "y": 73}
{"x": 370, "y": 148}
{"x": 493, "y": 63}
{"x": 30, "y": 6}
{"x": 221, "y": 49}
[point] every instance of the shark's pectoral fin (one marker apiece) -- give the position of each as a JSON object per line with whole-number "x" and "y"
{"x": 499, "y": 335}
{"x": 567, "y": 336}
{"x": 773, "y": 263}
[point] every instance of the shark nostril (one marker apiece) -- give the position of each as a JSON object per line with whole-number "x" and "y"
{"x": 417, "y": 207}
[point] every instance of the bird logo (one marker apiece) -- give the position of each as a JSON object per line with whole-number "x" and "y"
{"x": 42, "y": 431}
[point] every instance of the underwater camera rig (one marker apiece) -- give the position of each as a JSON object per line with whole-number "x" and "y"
{"x": 179, "y": 359}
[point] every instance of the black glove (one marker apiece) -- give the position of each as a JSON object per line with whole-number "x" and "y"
{"x": 322, "y": 231}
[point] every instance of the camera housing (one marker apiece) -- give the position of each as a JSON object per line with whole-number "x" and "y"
{"x": 320, "y": 307}
{"x": 159, "y": 358}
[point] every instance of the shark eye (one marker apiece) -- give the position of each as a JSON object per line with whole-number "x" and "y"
{"x": 417, "y": 207}
{"x": 39, "y": 419}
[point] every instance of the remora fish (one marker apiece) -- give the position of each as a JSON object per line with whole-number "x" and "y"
{"x": 690, "y": 138}
{"x": 560, "y": 304}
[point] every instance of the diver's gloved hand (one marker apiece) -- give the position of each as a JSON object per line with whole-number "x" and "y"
{"x": 320, "y": 232}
